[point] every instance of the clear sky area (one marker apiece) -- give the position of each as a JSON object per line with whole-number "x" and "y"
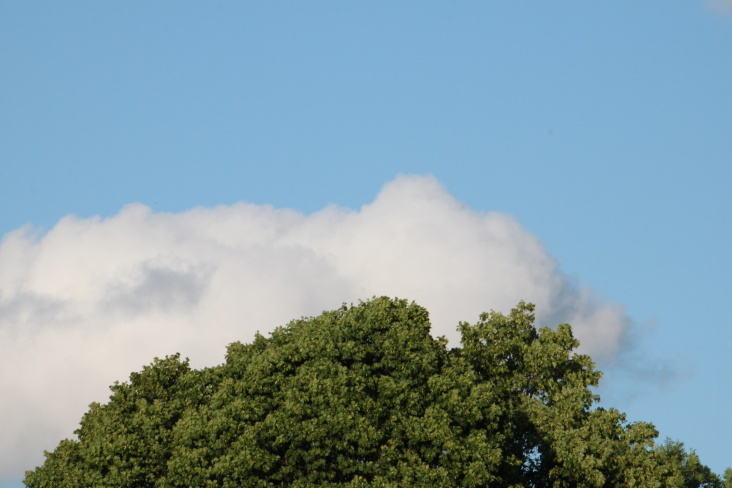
{"x": 177, "y": 175}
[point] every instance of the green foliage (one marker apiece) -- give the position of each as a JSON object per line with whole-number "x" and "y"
{"x": 364, "y": 397}
{"x": 683, "y": 468}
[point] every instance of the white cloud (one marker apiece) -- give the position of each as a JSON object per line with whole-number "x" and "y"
{"x": 94, "y": 299}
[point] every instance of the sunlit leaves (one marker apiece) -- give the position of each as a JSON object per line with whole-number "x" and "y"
{"x": 362, "y": 397}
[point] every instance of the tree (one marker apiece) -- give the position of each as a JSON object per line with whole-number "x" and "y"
{"x": 364, "y": 396}
{"x": 682, "y": 468}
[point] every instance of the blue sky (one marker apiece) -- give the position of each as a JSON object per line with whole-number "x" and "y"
{"x": 603, "y": 129}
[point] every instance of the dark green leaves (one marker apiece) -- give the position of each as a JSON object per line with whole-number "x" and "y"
{"x": 364, "y": 397}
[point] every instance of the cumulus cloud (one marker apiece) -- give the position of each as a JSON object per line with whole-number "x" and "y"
{"x": 86, "y": 303}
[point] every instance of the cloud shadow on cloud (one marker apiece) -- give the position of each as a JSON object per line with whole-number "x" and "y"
{"x": 157, "y": 288}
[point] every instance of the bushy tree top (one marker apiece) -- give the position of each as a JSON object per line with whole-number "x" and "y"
{"x": 364, "y": 396}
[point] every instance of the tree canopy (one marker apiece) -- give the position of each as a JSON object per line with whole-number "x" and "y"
{"x": 364, "y": 396}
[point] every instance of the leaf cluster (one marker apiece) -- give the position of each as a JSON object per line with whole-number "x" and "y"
{"x": 364, "y": 396}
